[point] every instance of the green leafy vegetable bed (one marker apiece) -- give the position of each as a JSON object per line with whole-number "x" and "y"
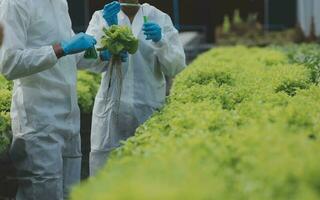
{"x": 87, "y": 87}
{"x": 5, "y": 101}
{"x": 240, "y": 124}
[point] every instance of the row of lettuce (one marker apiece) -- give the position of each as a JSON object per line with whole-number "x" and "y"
{"x": 241, "y": 123}
{"x": 88, "y": 84}
{"x": 5, "y": 101}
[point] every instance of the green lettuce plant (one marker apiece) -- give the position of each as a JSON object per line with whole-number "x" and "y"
{"x": 234, "y": 127}
{"x": 118, "y": 39}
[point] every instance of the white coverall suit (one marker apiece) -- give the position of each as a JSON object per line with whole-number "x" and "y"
{"x": 144, "y": 86}
{"x": 45, "y": 114}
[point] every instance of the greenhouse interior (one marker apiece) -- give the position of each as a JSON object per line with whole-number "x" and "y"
{"x": 154, "y": 99}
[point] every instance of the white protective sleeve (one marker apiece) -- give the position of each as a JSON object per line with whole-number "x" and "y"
{"x": 169, "y": 50}
{"x": 16, "y": 61}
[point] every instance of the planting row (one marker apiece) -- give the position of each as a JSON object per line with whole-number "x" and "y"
{"x": 241, "y": 123}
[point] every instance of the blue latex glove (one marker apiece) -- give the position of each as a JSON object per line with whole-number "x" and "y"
{"x": 152, "y": 31}
{"x": 106, "y": 56}
{"x": 78, "y": 43}
{"x": 124, "y": 56}
{"x": 110, "y": 13}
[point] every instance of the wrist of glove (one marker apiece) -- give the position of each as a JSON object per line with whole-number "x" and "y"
{"x": 112, "y": 21}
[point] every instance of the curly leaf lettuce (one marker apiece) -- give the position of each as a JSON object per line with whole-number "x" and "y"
{"x": 117, "y": 39}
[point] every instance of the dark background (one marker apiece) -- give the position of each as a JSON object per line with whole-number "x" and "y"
{"x": 201, "y": 15}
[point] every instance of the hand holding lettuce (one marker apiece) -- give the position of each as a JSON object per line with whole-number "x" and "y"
{"x": 116, "y": 44}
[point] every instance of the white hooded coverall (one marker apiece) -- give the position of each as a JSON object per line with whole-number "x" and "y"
{"x": 144, "y": 87}
{"x": 45, "y": 113}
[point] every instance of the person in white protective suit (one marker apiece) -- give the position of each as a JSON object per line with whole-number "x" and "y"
{"x": 160, "y": 53}
{"x": 41, "y": 54}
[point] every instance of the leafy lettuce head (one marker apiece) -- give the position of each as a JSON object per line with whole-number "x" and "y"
{"x": 117, "y": 39}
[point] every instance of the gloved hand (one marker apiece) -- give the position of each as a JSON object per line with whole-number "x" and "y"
{"x": 110, "y": 13}
{"x": 106, "y": 56}
{"x": 152, "y": 31}
{"x": 124, "y": 56}
{"x": 78, "y": 43}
